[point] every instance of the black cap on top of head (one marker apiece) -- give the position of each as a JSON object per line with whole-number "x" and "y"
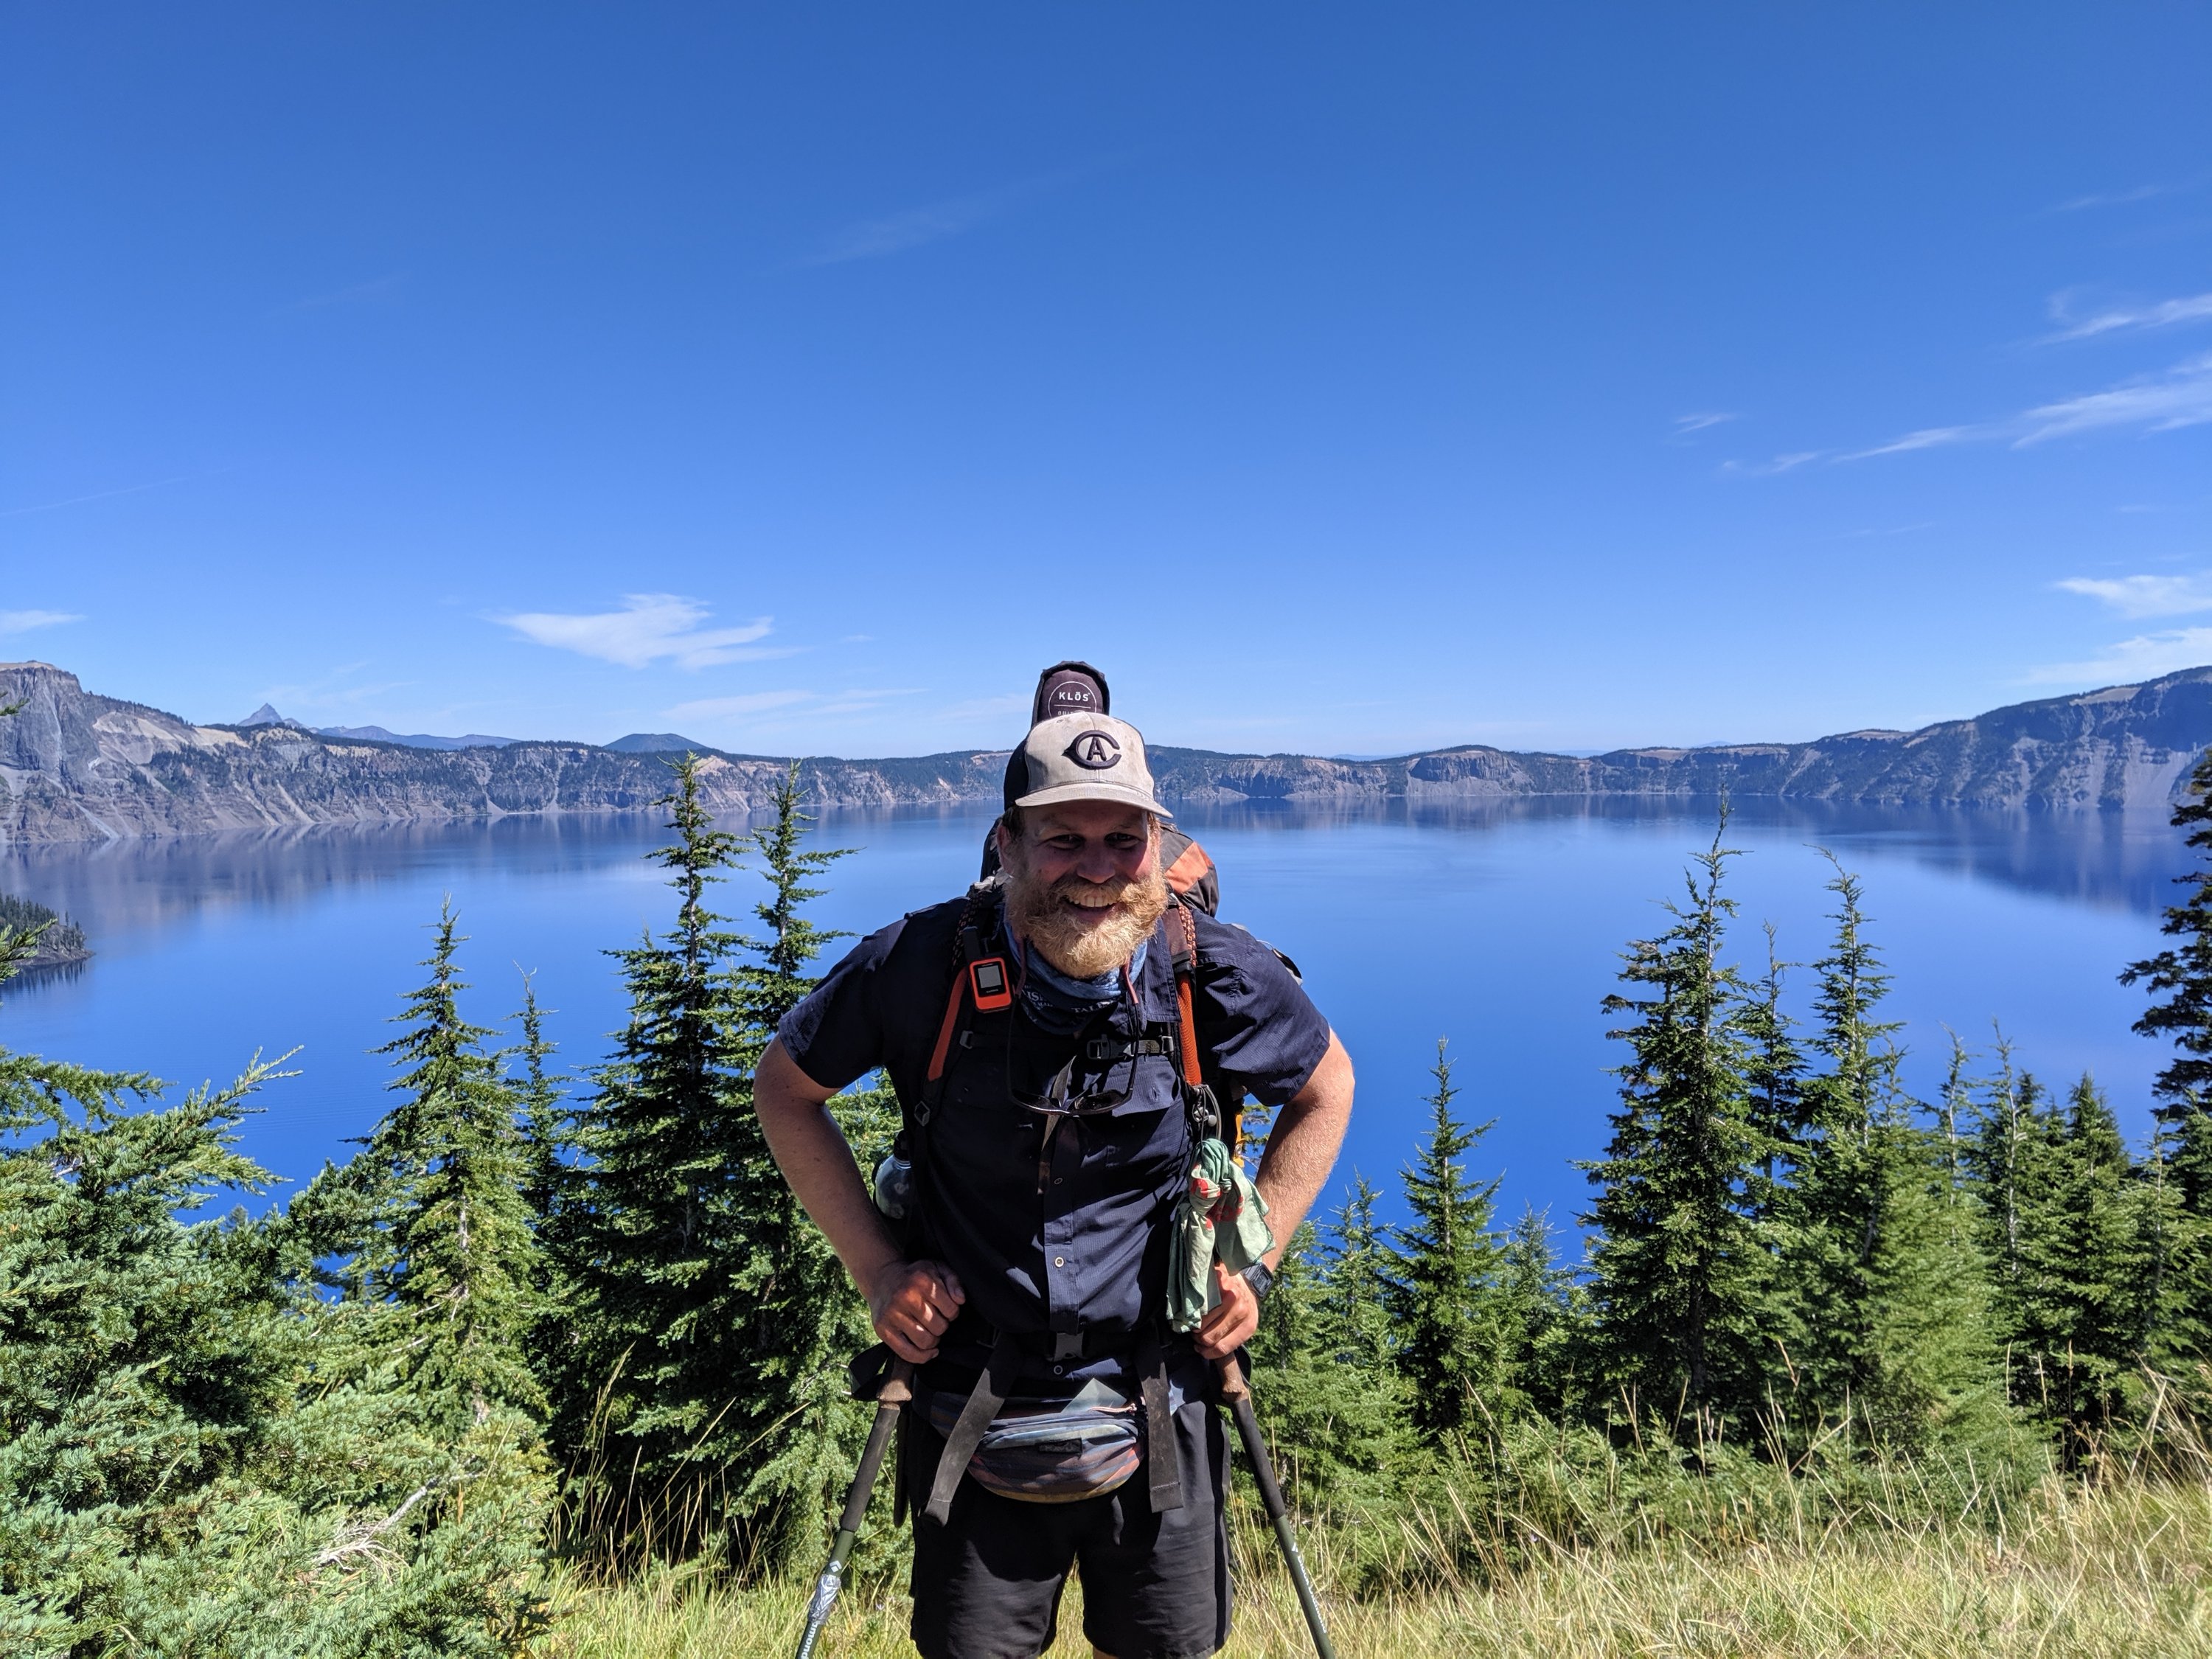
{"x": 1069, "y": 688}
{"x": 1066, "y": 688}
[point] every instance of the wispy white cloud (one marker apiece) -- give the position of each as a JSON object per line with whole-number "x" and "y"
{"x": 917, "y": 227}
{"x": 1686, "y": 424}
{"x": 22, "y": 622}
{"x": 648, "y": 629}
{"x": 356, "y": 294}
{"x": 2146, "y": 596}
{"x": 752, "y": 702}
{"x": 2160, "y": 403}
{"x": 750, "y": 706}
{"x": 2143, "y": 658}
{"x": 1789, "y": 463}
{"x": 2165, "y": 313}
{"x": 1929, "y": 437}
{"x": 337, "y": 690}
{"x": 989, "y": 709}
{"x": 1884, "y": 529}
{"x": 2115, "y": 198}
{"x": 2180, "y": 397}
{"x": 97, "y": 495}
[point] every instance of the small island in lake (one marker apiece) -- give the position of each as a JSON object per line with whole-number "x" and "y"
{"x": 61, "y": 943}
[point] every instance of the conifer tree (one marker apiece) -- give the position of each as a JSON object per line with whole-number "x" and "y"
{"x": 544, "y": 1116}
{"x": 1680, "y": 1265}
{"x": 431, "y": 1215}
{"x": 805, "y": 1319}
{"x": 651, "y": 1389}
{"x": 1929, "y": 1371}
{"x": 1545, "y": 1317}
{"x": 1443, "y": 1297}
{"x": 2179, "y": 979}
{"x": 2175, "y": 1306}
{"x": 713, "y": 1319}
{"x": 2016, "y": 1159}
{"x": 1859, "y": 1156}
{"x": 193, "y": 1457}
{"x": 1955, "y": 1104}
{"x": 1355, "y": 1311}
{"x": 548, "y": 1128}
{"x": 2086, "y": 1300}
{"x": 1336, "y": 1421}
{"x": 1774, "y": 1073}
{"x": 2005, "y": 1159}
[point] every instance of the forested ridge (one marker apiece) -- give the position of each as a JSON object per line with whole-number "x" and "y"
{"x": 547, "y": 1329}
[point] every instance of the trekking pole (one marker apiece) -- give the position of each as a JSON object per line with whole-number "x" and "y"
{"x": 1239, "y": 1394}
{"x": 897, "y": 1389}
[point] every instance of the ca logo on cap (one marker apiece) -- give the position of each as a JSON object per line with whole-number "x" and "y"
{"x": 1094, "y": 751}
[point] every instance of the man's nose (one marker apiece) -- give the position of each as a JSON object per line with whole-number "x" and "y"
{"x": 1098, "y": 863}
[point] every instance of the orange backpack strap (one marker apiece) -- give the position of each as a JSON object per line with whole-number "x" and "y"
{"x": 1184, "y": 936}
{"x": 1186, "y": 975}
{"x": 967, "y": 951}
{"x": 945, "y": 1031}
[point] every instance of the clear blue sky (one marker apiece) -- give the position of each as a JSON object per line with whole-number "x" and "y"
{"x": 1342, "y": 379}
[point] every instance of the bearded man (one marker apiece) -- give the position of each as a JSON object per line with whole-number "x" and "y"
{"x": 1040, "y": 1035}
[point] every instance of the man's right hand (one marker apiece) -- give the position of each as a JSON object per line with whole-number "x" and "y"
{"x": 911, "y": 1305}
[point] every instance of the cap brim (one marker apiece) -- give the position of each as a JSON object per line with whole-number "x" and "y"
{"x": 1119, "y": 793}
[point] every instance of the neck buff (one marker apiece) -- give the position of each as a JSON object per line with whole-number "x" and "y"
{"x": 1063, "y": 1006}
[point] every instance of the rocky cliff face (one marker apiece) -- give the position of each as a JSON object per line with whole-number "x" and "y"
{"x": 77, "y": 766}
{"x": 2126, "y": 746}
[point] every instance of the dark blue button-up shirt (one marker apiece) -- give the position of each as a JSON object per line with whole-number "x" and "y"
{"x": 1054, "y": 1224}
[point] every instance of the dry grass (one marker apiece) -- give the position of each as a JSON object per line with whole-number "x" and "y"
{"x": 2119, "y": 1569}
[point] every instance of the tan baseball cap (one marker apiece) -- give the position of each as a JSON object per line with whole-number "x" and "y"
{"x": 1086, "y": 757}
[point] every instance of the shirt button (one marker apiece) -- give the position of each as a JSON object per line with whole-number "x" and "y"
{"x": 1059, "y": 1261}
{"x": 1055, "y": 1181}
{"x": 1060, "y": 1370}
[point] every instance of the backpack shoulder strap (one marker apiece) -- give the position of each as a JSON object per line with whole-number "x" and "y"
{"x": 1182, "y": 935}
{"x": 964, "y": 993}
{"x": 1207, "y": 1118}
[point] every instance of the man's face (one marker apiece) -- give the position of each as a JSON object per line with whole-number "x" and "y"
{"x": 1086, "y": 887}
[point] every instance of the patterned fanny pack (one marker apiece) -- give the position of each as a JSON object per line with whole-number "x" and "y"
{"x": 1051, "y": 1451}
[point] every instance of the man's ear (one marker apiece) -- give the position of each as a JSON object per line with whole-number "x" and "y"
{"x": 1005, "y": 842}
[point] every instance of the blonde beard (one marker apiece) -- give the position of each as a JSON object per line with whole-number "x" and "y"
{"x": 1083, "y": 950}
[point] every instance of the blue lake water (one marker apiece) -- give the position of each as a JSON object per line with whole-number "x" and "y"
{"x": 1499, "y": 929}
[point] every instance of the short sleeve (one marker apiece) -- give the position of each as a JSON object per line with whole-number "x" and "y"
{"x": 1264, "y": 1031}
{"x": 836, "y": 1036}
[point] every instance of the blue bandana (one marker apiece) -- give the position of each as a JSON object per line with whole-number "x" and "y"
{"x": 1061, "y": 1005}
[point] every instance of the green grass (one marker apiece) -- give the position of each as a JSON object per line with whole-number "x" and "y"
{"x": 2118, "y": 1569}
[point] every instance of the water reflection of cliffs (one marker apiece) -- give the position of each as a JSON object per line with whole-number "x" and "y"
{"x": 2111, "y": 860}
{"x": 2116, "y": 860}
{"x": 76, "y": 766}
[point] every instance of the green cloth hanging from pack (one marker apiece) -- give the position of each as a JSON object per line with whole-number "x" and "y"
{"x": 1221, "y": 1215}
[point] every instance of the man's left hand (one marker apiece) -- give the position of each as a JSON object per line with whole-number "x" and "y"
{"x": 1231, "y": 1322}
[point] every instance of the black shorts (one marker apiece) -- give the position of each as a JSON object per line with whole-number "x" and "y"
{"x": 987, "y": 1583}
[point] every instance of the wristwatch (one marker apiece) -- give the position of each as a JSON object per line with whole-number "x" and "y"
{"x": 1259, "y": 1280}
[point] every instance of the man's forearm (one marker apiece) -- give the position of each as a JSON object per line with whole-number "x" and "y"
{"x": 1302, "y": 1150}
{"x": 811, "y": 1151}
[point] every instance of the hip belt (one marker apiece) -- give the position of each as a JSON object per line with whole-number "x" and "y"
{"x": 996, "y": 1384}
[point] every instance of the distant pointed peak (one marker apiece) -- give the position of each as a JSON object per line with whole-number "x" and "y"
{"x": 267, "y": 715}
